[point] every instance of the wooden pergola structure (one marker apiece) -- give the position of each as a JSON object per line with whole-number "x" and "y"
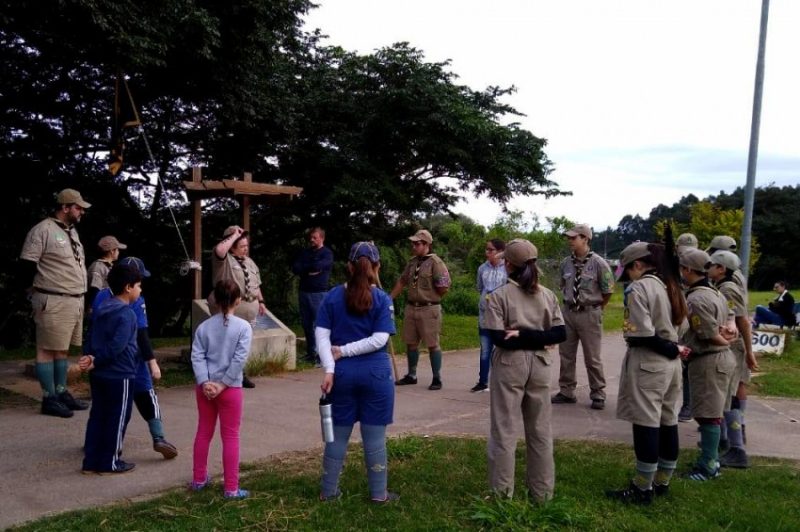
{"x": 244, "y": 190}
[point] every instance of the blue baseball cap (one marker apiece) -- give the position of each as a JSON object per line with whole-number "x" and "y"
{"x": 137, "y": 264}
{"x": 364, "y": 249}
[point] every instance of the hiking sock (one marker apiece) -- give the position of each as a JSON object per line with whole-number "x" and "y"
{"x": 645, "y": 446}
{"x": 60, "y": 374}
{"x": 645, "y": 474}
{"x": 333, "y": 460}
{"x": 374, "y": 440}
{"x": 733, "y": 419}
{"x": 44, "y": 372}
{"x": 668, "y": 447}
{"x": 156, "y": 429}
{"x": 436, "y": 362}
{"x": 665, "y": 470}
{"x": 413, "y": 360}
{"x": 709, "y": 442}
{"x": 742, "y": 408}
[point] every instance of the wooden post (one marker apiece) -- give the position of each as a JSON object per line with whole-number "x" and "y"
{"x": 197, "y": 210}
{"x": 248, "y": 178}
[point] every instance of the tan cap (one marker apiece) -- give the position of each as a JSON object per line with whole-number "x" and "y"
{"x": 632, "y": 252}
{"x": 110, "y": 243}
{"x": 694, "y": 259}
{"x": 722, "y": 242}
{"x": 422, "y": 235}
{"x": 580, "y": 229}
{"x": 518, "y": 252}
{"x": 686, "y": 240}
{"x": 726, "y": 258}
{"x": 69, "y": 196}
{"x": 232, "y": 229}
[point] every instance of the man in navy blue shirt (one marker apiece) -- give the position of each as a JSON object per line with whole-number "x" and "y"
{"x": 313, "y": 265}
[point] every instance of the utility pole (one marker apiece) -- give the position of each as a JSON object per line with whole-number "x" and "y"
{"x": 752, "y": 156}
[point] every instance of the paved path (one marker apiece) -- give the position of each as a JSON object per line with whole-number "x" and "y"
{"x": 41, "y": 456}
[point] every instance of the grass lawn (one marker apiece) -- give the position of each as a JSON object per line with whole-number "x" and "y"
{"x": 442, "y": 484}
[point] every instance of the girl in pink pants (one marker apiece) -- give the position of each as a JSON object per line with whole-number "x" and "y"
{"x": 219, "y": 352}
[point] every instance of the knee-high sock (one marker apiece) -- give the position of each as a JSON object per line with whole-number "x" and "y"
{"x": 413, "y": 360}
{"x": 436, "y": 362}
{"x": 374, "y": 439}
{"x": 333, "y": 460}
{"x": 60, "y": 366}
{"x": 668, "y": 450}
{"x": 709, "y": 443}
{"x": 44, "y": 372}
{"x": 645, "y": 445}
{"x": 733, "y": 420}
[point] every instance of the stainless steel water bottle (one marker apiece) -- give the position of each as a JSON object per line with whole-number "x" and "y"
{"x": 326, "y": 418}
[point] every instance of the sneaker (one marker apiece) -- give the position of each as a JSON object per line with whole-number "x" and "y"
{"x": 436, "y": 384}
{"x": 390, "y": 497}
{"x": 480, "y": 387}
{"x": 51, "y": 406}
{"x": 632, "y": 495}
{"x": 701, "y": 474}
{"x": 121, "y": 467}
{"x": 660, "y": 490}
{"x": 238, "y": 494}
{"x": 408, "y": 379}
{"x": 685, "y": 414}
{"x": 247, "y": 383}
{"x": 561, "y": 399}
{"x": 329, "y": 498}
{"x": 598, "y": 404}
{"x": 169, "y": 451}
{"x": 736, "y": 458}
{"x": 70, "y": 402}
{"x": 197, "y": 486}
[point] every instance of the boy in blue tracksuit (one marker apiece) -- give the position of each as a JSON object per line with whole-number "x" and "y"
{"x": 147, "y": 370}
{"x": 113, "y": 362}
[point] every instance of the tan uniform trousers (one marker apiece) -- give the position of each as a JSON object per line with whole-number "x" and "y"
{"x": 520, "y": 384}
{"x": 423, "y": 323}
{"x": 649, "y": 388}
{"x": 713, "y": 381}
{"x": 586, "y": 327}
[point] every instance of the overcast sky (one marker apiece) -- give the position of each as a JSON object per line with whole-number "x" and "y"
{"x": 641, "y": 101}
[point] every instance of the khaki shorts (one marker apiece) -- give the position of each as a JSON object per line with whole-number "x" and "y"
{"x": 649, "y": 388}
{"x": 59, "y": 321}
{"x": 422, "y": 323}
{"x": 247, "y": 310}
{"x": 742, "y": 373}
{"x": 712, "y": 379}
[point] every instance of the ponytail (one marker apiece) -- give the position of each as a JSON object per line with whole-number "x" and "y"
{"x": 226, "y": 293}
{"x": 527, "y": 276}
{"x": 358, "y": 292}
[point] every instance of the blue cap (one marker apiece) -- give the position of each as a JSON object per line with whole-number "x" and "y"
{"x": 136, "y": 264}
{"x": 364, "y": 249}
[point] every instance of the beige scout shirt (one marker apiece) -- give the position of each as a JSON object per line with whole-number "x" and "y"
{"x": 245, "y": 274}
{"x": 737, "y": 303}
{"x": 596, "y": 280}
{"x": 647, "y": 310}
{"x": 98, "y": 274}
{"x": 510, "y": 307}
{"x": 58, "y": 254}
{"x": 422, "y": 276}
{"x": 708, "y": 312}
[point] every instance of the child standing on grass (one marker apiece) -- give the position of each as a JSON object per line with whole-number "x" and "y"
{"x": 219, "y": 353}
{"x": 113, "y": 361}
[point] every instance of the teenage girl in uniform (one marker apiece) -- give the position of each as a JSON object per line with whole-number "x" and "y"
{"x": 650, "y": 380}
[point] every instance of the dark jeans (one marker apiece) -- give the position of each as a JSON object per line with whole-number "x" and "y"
{"x": 309, "y": 303}
{"x": 486, "y": 355}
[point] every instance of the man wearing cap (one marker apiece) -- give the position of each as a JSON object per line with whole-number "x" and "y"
{"x": 428, "y": 280}
{"x": 53, "y": 257}
{"x": 313, "y": 265}
{"x": 586, "y": 283}
{"x": 109, "y": 248}
{"x": 711, "y": 362}
{"x": 727, "y": 243}
{"x": 231, "y": 261}
{"x": 721, "y": 268}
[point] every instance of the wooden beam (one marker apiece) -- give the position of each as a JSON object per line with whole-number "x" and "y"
{"x": 197, "y": 224}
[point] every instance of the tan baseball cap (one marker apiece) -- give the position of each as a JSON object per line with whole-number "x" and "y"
{"x": 110, "y": 243}
{"x": 722, "y": 242}
{"x": 632, "y": 252}
{"x": 232, "y": 229}
{"x": 518, "y": 252}
{"x": 727, "y": 259}
{"x": 422, "y": 235}
{"x": 69, "y": 196}
{"x": 580, "y": 229}
{"x": 694, "y": 259}
{"x": 686, "y": 240}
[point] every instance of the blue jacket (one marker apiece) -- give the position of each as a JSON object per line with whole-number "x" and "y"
{"x": 311, "y": 260}
{"x": 113, "y": 340}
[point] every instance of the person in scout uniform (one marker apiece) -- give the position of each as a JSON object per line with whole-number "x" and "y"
{"x": 53, "y": 257}
{"x": 683, "y": 242}
{"x": 686, "y": 240}
{"x": 722, "y": 266}
{"x": 231, "y": 261}
{"x": 428, "y": 280}
{"x": 109, "y": 248}
{"x": 728, "y": 243}
{"x": 650, "y": 379}
{"x": 711, "y": 363}
{"x": 586, "y": 283}
{"x": 523, "y": 318}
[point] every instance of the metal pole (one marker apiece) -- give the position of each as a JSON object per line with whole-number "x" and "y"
{"x": 752, "y": 156}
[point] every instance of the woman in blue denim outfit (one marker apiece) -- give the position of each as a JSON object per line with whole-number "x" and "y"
{"x": 491, "y": 276}
{"x": 353, "y": 326}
